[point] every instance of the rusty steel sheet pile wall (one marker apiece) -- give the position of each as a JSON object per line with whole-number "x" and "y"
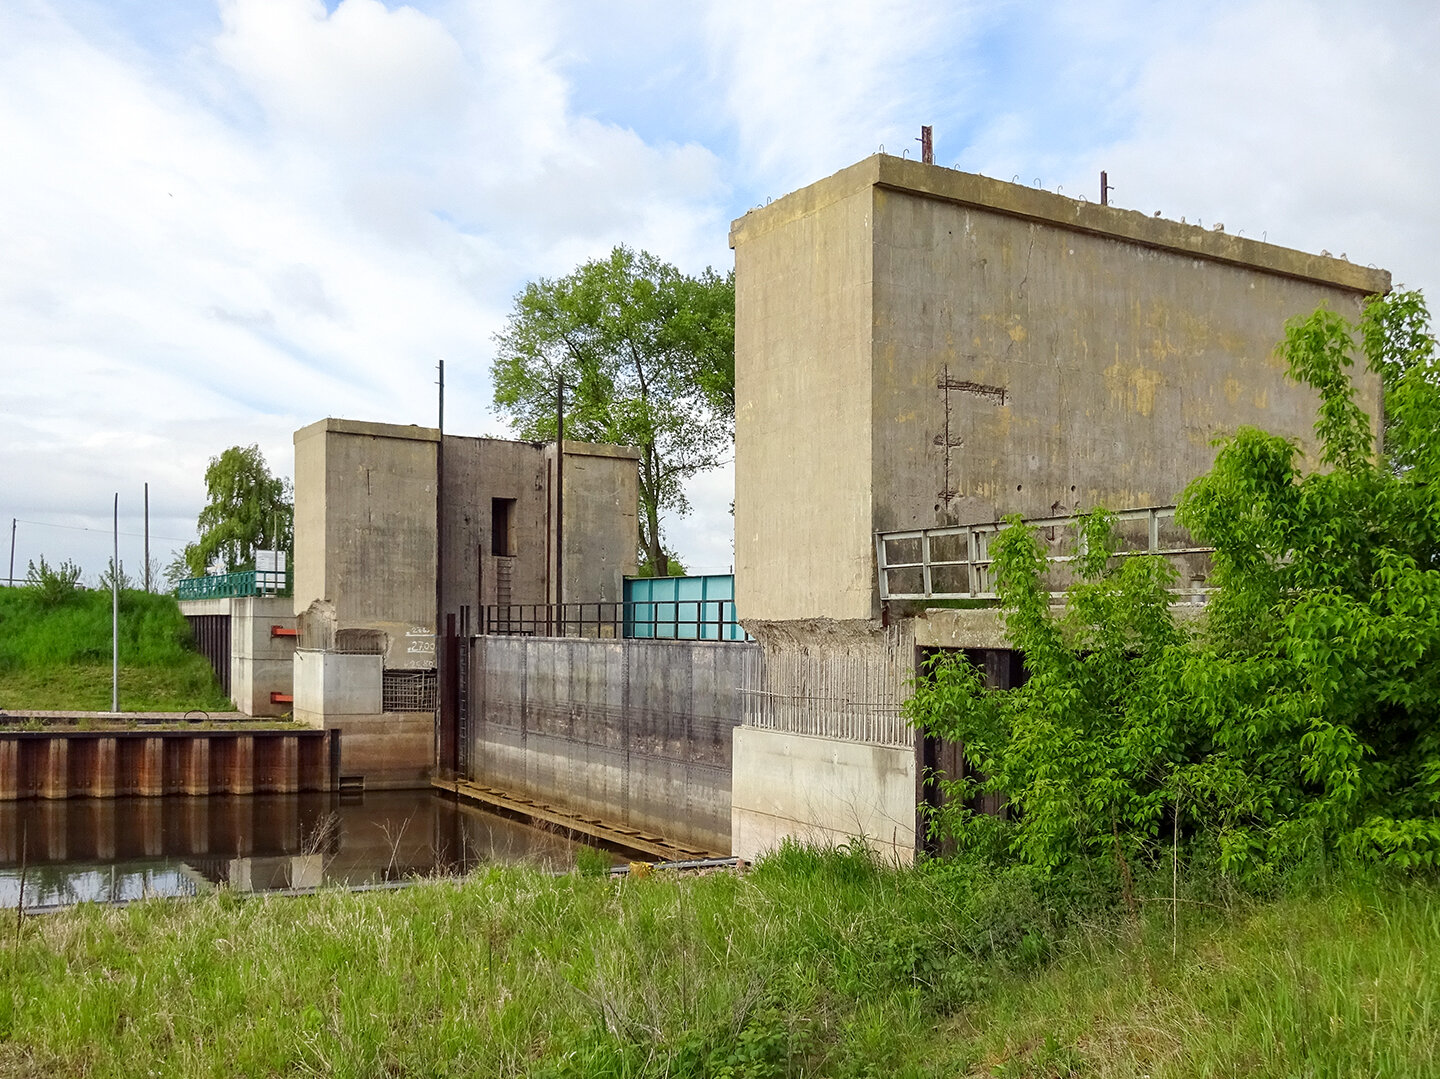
{"x": 636, "y": 733}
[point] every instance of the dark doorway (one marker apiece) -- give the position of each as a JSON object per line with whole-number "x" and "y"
{"x": 938, "y": 759}
{"x": 502, "y": 526}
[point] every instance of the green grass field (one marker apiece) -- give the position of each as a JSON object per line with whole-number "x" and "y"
{"x": 58, "y": 656}
{"x": 815, "y": 964}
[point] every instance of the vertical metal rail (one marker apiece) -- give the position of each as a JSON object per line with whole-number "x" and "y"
{"x": 462, "y": 711}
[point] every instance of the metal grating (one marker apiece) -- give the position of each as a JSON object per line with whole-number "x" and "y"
{"x": 955, "y": 563}
{"x": 408, "y": 691}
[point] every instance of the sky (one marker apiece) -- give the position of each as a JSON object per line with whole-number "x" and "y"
{"x": 221, "y": 220}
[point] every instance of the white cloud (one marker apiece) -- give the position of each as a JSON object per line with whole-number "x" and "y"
{"x": 296, "y": 221}
{"x": 815, "y": 85}
{"x": 283, "y": 211}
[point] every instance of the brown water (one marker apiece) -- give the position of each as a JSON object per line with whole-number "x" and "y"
{"x": 106, "y": 850}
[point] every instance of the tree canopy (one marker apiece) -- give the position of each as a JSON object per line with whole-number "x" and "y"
{"x": 247, "y": 509}
{"x": 1300, "y": 718}
{"x": 647, "y": 354}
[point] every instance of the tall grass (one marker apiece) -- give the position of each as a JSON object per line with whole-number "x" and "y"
{"x": 815, "y": 963}
{"x": 58, "y": 655}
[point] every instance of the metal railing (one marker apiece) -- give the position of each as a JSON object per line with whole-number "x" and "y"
{"x": 674, "y": 620}
{"x": 954, "y": 563}
{"x": 241, "y": 583}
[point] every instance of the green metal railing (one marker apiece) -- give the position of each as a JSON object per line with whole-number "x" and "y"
{"x": 238, "y": 584}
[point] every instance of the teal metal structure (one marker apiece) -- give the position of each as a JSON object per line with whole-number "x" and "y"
{"x": 228, "y": 585}
{"x": 682, "y": 608}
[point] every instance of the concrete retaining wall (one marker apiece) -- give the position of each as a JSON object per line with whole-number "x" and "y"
{"x": 824, "y": 791}
{"x": 259, "y": 663}
{"x": 637, "y": 733}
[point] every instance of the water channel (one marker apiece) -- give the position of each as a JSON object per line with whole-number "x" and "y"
{"x": 118, "y": 849}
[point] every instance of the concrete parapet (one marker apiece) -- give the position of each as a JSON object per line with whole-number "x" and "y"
{"x": 329, "y": 684}
{"x": 821, "y": 790}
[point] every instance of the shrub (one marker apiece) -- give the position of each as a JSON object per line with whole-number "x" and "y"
{"x": 49, "y": 585}
{"x": 1301, "y": 718}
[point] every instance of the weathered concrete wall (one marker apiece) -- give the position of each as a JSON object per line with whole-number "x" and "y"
{"x": 823, "y": 791}
{"x": 365, "y": 530}
{"x": 342, "y": 692}
{"x": 365, "y": 526}
{"x": 478, "y": 471}
{"x": 917, "y": 346}
{"x": 824, "y": 752}
{"x": 803, "y": 298}
{"x": 602, "y": 523}
{"x": 260, "y": 663}
{"x": 636, "y": 733}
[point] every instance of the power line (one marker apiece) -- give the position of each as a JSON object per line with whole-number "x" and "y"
{"x": 82, "y": 528}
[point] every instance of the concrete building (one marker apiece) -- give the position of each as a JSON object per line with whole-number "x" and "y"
{"x": 368, "y": 554}
{"x": 920, "y": 347}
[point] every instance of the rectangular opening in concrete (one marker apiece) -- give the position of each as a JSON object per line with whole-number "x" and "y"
{"x": 502, "y": 526}
{"x": 408, "y": 691}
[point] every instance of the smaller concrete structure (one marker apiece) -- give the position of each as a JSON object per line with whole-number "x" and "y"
{"x": 399, "y": 530}
{"x": 338, "y": 691}
{"x": 256, "y": 648}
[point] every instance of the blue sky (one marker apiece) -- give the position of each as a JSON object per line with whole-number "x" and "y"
{"x": 224, "y": 220}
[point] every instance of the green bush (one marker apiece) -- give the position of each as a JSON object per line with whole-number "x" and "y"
{"x": 1300, "y": 721}
{"x": 50, "y": 586}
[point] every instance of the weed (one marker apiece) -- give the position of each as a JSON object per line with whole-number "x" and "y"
{"x": 590, "y": 862}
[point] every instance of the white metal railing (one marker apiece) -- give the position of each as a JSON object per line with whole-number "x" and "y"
{"x": 954, "y": 562}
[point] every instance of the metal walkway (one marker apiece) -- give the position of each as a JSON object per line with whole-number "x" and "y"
{"x": 629, "y": 838}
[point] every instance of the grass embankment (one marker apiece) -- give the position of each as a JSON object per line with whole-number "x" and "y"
{"x": 812, "y": 964}
{"x": 57, "y": 655}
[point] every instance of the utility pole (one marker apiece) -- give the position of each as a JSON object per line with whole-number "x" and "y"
{"x": 115, "y": 615}
{"x": 12, "y": 551}
{"x": 147, "y": 537}
{"x": 560, "y": 499}
{"x": 441, "y": 717}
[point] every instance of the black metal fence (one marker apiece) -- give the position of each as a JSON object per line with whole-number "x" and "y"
{"x": 676, "y": 620}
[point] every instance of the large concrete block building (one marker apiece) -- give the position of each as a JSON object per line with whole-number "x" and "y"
{"x": 384, "y": 511}
{"x": 920, "y": 347}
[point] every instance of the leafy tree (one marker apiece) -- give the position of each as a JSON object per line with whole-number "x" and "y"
{"x": 175, "y": 571}
{"x": 247, "y": 510}
{"x": 1301, "y": 717}
{"x": 648, "y": 358}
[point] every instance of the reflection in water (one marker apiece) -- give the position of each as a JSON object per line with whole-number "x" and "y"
{"x": 128, "y": 848}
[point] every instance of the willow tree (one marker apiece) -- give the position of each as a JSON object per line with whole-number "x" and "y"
{"x": 246, "y": 509}
{"x": 647, "y": 355}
